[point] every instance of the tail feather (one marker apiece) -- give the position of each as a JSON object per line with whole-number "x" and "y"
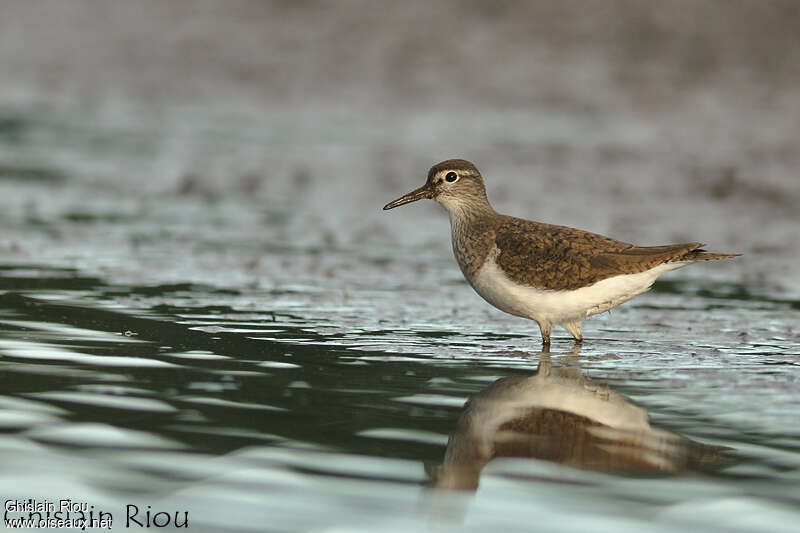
{"x": 641, "y": 258}
{"x": 699, "y": 254}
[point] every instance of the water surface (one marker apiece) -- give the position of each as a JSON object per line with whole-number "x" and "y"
{"x": 235, "y": 407}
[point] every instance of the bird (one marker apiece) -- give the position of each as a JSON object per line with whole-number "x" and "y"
{"x": 554, "y": 275}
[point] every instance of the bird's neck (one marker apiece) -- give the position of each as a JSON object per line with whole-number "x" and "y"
{"x": 472, "y": 228}
{"x": 467, "y": 211}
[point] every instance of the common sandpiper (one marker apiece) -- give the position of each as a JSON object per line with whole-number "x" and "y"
{"x": 555, "y": 275}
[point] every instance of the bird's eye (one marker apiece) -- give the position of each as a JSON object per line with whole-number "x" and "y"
{"x": 451, "y": 177}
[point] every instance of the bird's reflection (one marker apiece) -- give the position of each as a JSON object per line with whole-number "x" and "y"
{"x": 558, "y": 415}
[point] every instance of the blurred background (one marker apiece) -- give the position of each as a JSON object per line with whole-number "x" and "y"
{"x": 202, "y": 305}
{"x": 294, "y": 122}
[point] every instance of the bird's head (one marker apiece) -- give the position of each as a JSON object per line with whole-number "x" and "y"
{"x": 455, "y": 183}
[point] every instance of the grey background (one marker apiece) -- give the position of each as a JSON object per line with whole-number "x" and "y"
{"x": 652, "y": 122}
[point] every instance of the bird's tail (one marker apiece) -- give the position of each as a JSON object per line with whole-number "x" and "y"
{"x": 698, "y": 254}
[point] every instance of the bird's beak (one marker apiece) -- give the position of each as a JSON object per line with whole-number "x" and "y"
{"x": 426, "y": 191}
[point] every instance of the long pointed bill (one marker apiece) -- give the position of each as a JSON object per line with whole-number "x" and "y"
{"x": 418, "y": 194}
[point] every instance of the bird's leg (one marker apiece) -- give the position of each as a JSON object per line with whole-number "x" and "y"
{"x": 545, "y": 327}
{"x": 574, "y": 329}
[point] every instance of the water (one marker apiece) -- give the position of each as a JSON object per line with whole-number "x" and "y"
{"x": 251, "y": 354}
{"x": 249, "y": 416}
{"x": 204, "y": 311}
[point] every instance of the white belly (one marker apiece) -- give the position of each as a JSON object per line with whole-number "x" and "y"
{"x": 560, "y": 306}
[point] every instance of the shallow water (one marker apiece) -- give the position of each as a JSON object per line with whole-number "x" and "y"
{"x": 204, "y": 310}
{"x": 257, "y": 408}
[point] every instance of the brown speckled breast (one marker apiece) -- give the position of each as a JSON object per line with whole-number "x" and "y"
{"x": 473, "y": 239}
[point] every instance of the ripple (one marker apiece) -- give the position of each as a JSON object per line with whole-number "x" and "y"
{"x": 107, "y": 401}
{"x": 199, "y": 355}
{"x": 278, "y": 364}
{"x": 21, "y": 419}
{"x": 397, "y": 434}
{"x": 63, "y": 331}
{"x": 219, "y": 402}
{"x": 29, "y": 406}
{"x": 437, "y": 400}
{"x": 103, "y": 435}
{"x": 34, "y": 350}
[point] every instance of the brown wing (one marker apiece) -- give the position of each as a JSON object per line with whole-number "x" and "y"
{"x": 558, "y": 258}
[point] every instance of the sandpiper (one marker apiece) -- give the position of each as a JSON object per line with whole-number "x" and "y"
{"x": 555, "y": 275}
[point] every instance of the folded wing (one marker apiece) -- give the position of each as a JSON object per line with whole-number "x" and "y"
{"x": 562, "y": 258}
